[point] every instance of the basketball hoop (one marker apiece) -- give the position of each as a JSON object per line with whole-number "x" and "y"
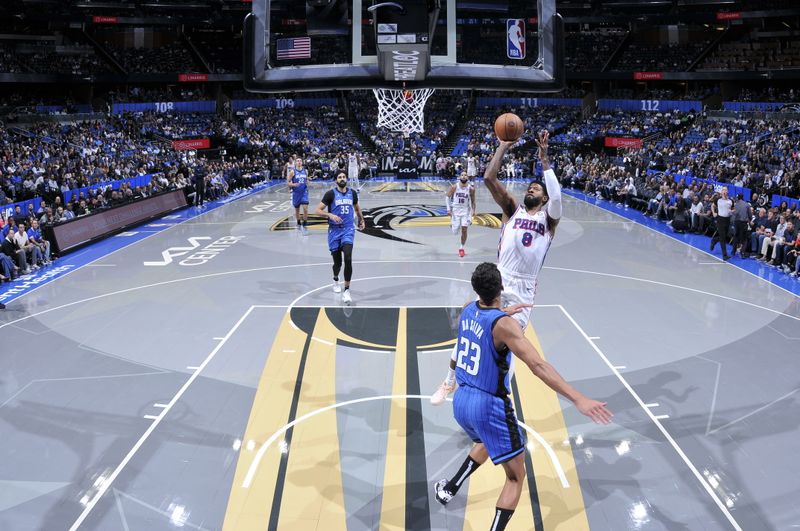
{"x": 401, "y": 110}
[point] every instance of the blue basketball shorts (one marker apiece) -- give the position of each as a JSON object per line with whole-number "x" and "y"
{"x": 338, "y": 236}
{"x": 300, "y": 198}
{"x": 490, "y": 420}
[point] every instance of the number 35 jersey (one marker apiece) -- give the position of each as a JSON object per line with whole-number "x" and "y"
{"x": 524, "y": 242}
{"x": 478, "y": 364}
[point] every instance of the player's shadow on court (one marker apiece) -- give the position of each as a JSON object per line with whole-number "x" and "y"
{"x": 607, "y": 479}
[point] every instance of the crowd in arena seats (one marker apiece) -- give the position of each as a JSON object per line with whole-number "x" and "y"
{"x": 44, "y": 57}
{"x": 759, "y": 155}
{"x": 658, "y": 57}
{"x": 590, "y": 50}
{"x": 692, "y": 94}
{"x": 137, "y": 94}
{"x": 757, "y": 54}
{"x": 769, "y": 94}
{"x": 169, "y": 58}
{"x": 619, "y": 123}
{"x": 9, "y": 63}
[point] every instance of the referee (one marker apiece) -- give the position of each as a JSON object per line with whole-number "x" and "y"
{"x": 722, "y": 213}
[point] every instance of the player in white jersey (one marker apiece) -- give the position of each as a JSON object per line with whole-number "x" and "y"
{"x": 472, "y": 166}
{"x": 352, "y": 171}
{"x": 460, "y": 200}
{"x": 525, "y": 238}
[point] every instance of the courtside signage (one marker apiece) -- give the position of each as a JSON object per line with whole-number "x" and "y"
{"x": 198, "y": 256}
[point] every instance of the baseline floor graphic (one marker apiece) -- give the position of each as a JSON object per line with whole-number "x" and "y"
{"x": 362, "y": 449}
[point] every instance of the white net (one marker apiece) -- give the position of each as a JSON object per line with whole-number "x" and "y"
{"x": 402, "y": 110}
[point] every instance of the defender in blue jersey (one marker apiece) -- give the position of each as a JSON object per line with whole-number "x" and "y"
{"x": 342, "y": 205}
{"x": 297, "y": 180}
{"x": 482, "y": 407}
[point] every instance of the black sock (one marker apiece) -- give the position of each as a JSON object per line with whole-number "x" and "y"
{"x": 467, "y": 468}
{"x": 501, "y": 518}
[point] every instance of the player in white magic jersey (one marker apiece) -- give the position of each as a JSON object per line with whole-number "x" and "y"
{"x": 352, "y": 171}
{"x": 525, "y": 238}
{"x": 460, "y": 200}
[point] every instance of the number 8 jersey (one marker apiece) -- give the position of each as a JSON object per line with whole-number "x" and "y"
{"x": 524, "y": 242}
{"x": 478, "y": 364}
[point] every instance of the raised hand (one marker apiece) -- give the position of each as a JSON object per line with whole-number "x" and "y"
{"x": 542, "y": 141}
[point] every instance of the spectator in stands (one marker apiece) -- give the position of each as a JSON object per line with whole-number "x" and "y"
{"x": 781, "y": 244}
{"x": 771, "y": 238}
{"x": 9, "y": 248}
{"x": 32, "y": 251}
{"x": 35, "y": 238}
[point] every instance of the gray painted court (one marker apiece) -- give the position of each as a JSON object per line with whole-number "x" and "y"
{"x": 126, "y": 389}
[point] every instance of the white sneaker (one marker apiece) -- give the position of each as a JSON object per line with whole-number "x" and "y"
{"x": 337, "y": 288}
{"x": 346, "y": 298}
{"x": 442, "y": 496}
{"x": 442, "y": 393}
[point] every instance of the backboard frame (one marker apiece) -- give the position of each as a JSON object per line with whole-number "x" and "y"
{"x": 546, "y": 75}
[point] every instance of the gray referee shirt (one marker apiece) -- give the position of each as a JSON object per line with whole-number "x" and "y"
{"x": 724, "y": 207}
{"x": 741, "y": 211}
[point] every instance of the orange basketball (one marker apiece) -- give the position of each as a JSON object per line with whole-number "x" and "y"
{"x": 508, "y": 127}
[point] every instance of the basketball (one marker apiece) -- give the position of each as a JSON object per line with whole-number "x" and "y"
{"x": 508, "y": 127}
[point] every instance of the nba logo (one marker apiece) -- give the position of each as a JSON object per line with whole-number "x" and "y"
{"x": 515, "y": 43}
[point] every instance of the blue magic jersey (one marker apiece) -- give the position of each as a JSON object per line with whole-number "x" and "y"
{"x": 343, "y": 205}
{"x": 478, "y": 364}
{"x": 300, "y": 177}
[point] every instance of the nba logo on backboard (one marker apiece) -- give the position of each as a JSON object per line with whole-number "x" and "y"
{"x": 515, "y": 43}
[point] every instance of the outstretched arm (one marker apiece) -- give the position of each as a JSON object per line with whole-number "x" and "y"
{"x": 498, "y": 191}
{"x": 508, "y": 332}
{"x": 551, "y": 181}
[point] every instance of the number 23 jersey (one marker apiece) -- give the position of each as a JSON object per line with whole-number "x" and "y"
{"x": 478, "y": 364}
{"x": 524, "y": 242}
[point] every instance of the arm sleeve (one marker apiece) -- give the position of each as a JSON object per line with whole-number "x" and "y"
{"x": 327, "y": 199}
{"x": 355, "y": 197}
{"x": 447, "y": 201}
{"x": 554, "y": 193}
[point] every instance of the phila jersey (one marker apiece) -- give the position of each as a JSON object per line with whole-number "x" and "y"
{"x": 462, "y": 205}
{"x": 524, "y": 242}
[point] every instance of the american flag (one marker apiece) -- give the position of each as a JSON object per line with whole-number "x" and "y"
{"x": 294, "y": 48}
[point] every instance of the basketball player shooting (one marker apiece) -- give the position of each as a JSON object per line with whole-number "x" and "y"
{"x": 526, "y": 236}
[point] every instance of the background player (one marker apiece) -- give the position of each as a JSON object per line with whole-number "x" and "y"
{"x": 297, "y": 179}
{"x": 528, "y": 230}
{"x": 482, "y": 406}
{"x": 342, "y": 205}
{"x": 460, "y": 207}
{"x": 353, "y": 170}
